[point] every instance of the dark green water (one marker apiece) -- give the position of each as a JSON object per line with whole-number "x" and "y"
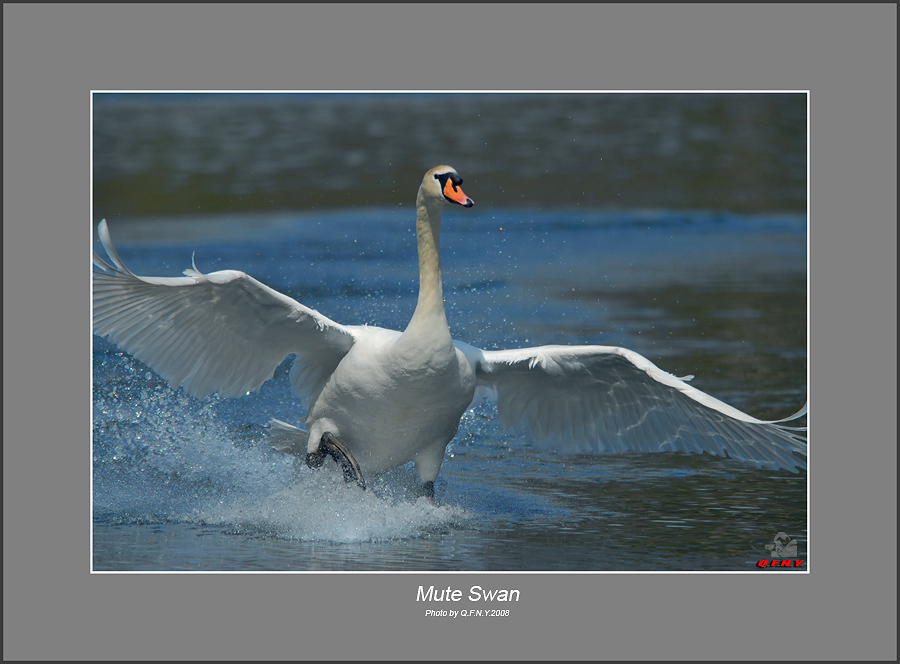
{"x": 189, "y": 154}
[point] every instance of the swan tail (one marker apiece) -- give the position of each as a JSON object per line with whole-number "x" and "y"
{"x": 287, "y": 438}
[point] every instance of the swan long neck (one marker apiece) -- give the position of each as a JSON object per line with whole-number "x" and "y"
{"x": 430, "y": 307}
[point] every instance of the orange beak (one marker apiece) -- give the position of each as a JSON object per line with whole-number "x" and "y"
{"x": 455, "y": 194}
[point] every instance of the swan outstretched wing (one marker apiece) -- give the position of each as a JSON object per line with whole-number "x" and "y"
{"x": 609, "y": 399}
{"x": 221, "y": 332}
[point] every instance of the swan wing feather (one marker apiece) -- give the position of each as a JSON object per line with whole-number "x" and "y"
{"x": 610, "y": 399}
{"x": 221, "y": 332}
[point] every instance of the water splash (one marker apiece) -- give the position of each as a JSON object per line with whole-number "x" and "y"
{"x": 322, "y": 507}
{"x": 162, "y": 456}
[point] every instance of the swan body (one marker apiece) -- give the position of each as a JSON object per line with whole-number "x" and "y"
{"x": 387, "y": 397}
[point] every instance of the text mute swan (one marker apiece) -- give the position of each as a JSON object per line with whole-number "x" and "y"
{"x": 378, "y": 398}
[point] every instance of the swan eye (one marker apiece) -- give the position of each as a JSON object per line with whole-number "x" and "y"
{"x": 454, "y": 179}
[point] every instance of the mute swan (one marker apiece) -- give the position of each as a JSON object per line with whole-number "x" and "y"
{"x": 379, "y": 398}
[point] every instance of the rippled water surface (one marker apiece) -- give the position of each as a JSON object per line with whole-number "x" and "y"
{"x": 186, "y": 484}
{"x": 673, "y": 225}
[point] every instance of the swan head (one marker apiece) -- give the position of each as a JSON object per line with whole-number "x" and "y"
{"x": 443, "y": 183}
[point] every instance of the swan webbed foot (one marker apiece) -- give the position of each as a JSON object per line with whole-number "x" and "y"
{"x": 344, "y": 458}
{"x": 315, "y": 459}
{"x": 428, "y": 491}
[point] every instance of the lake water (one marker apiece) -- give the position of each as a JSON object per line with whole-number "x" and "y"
{"x": 671, "y": 224}
{"x": 183, "y": 484}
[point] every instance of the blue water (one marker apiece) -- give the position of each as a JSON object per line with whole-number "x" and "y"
{"x": 185, "y": 484}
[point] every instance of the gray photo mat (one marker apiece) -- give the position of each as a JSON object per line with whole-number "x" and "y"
{"x": 54, "y": 55}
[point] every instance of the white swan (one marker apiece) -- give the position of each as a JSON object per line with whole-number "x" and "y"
{"x": 379, "y": 398}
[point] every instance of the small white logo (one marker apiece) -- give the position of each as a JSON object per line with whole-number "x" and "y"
{"x": 783, "y": 547}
